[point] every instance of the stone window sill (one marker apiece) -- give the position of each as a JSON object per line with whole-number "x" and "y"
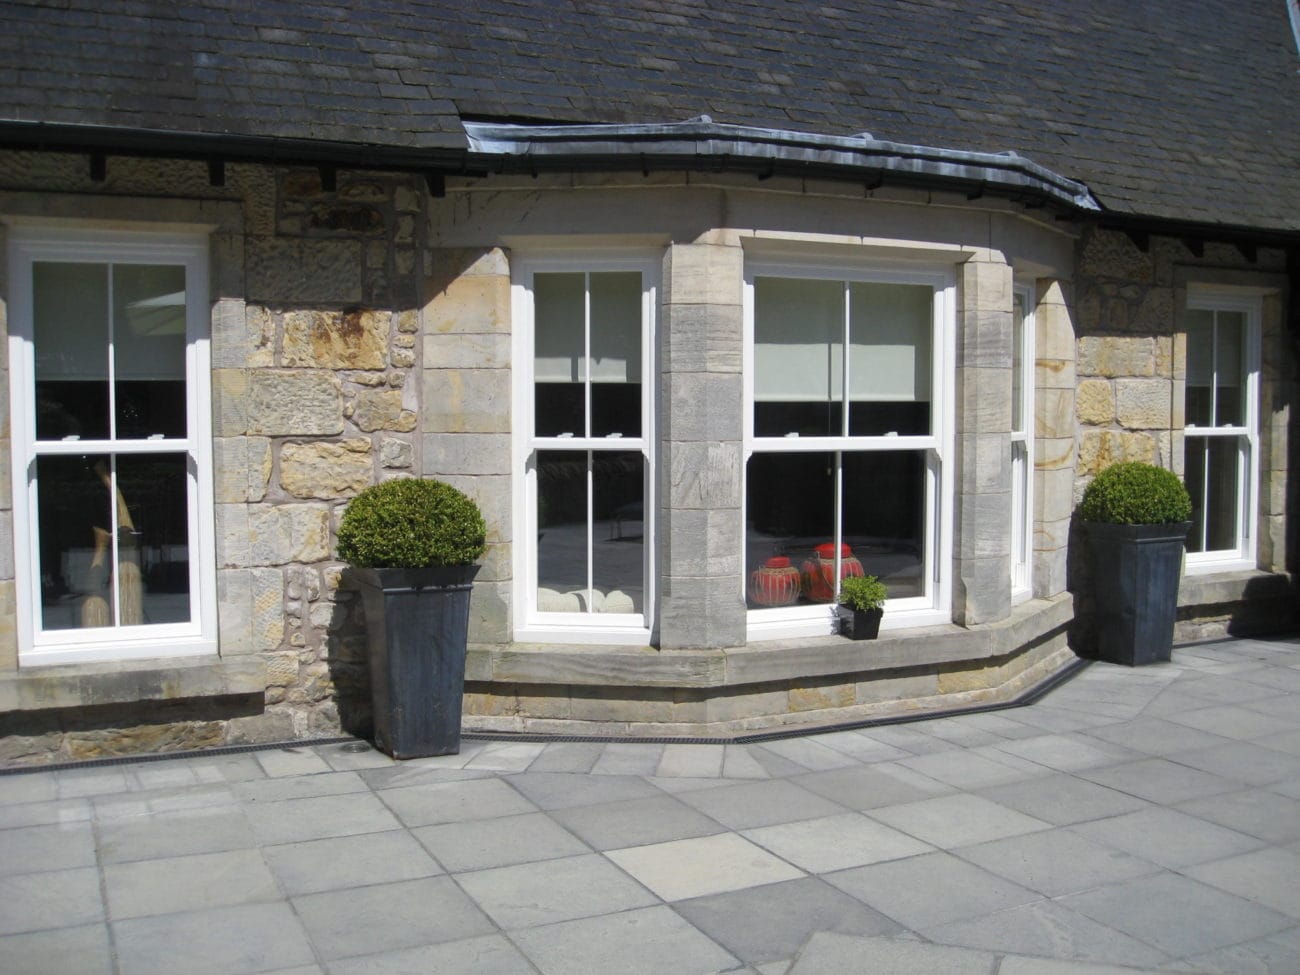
{"x": 1219, "y": 588}
{"x": 126, "y": 682}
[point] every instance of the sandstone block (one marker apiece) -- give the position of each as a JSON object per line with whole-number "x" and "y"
{"x": 704, "y": 475}
{"x": 1053, "y": 332}
{"x": 229, "y": 402}
{"x": 467, "y": 351}
{"x": 326, "y": 470}
{"x": 896, "y": 686}
{"x": 1143, "y": 404}
{"x": 981, "y": 590}
{"x": 232, "y": 535}
{"x": 985, "y": 521}
{"x": 286, "y": 269}
{"x": 289, "y": 533}
{"x": 1054, "y": 374}
{"x": 448, "y": 454}
{"x": 8, "y": 626}
{"x": 702, "y": 338}
{"x": 703, "y": 274}
{"x": 1095, "y": 402}
{"x": 294, "y": 403}
{"x": 1054, "y": 494}
{"x": 984, "y": 339}
{"x": 241, "y": 468}
{"x": 381, "y": 409}
{"x": 474, "y": 304}
{"x": 818, "y": 698}
{"x": 396, "y": 454}
{"x": 268, "y": 607}
{"x": 984, "y": 395}
{"x": 235, "y": 611}
{"x": 985, "y": 462}
{"x": 1054, "y": 453}
{"x": 1116, "y": 355}
{"x": 466, "y": 400}
{"x": 701, "y": 543}
{"x": 702, "y": 406}
{"x": 354, "y": 339}
{"x": 1101, "y": 448}
{"x": 1054, "y": 414}
{"x": 986, "y": 286}
{"x": 1112, "y": 254}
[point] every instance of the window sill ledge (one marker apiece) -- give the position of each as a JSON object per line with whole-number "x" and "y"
{"x": 1233, "y": 586}
{"x": 126, "y": 682}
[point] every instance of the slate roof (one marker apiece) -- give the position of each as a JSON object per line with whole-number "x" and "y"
{"x": 1170, "y": 109}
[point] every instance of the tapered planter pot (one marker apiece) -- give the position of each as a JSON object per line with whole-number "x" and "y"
{"x": 1135, "y": 573}
{"x": 860, "y": 624}
{"x": 417, "y": 622}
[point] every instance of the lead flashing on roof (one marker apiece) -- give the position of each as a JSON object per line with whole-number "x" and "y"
{"x": 554, "y": 146}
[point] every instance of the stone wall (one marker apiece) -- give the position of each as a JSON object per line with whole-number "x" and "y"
{"x": 1131, "y": 357}
{"x": 316, "y": 298}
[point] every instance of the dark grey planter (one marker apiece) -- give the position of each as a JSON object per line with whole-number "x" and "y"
{"x": 1135, "y": 573}
{"x": 418, "y": 624}
{"x": 860, "y": 624}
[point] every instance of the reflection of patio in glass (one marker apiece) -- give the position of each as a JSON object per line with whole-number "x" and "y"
{"x": 618, "y": 560}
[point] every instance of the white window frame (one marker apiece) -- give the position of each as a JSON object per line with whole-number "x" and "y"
{"x": 1022, "y": 458}
{"x": 934, "y": 606}
{"x": 28, "y": 245}
{"x": 530, "y": 624}
{"x": 1249, "y": 302}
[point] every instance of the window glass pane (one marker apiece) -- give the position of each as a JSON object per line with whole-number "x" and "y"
{"x": 70, "y": 345}
{"x": 1200, "y": 366}
{"x": 884, "y": 517}
{"x": 153, "y": 539}
{"x": 1210, "y": 465}
{"x": 1017, "y": 361}
{"x": 798, "y": 357}
{"x": 1227, "y": 373}
{"x": 616, "y": 353}
{"x": 562, "y": 531}
{"x": 75, "y": 526}
{"x": 149, "y": 350}
{"x": 790, "y": 511}
{"x": 559, "y": 354}
{"x": 618, "y": 538}
{"x": 889, "y": 364}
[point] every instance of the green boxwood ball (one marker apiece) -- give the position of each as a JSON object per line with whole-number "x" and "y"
{"x": 1134, "y": 493}
{"x": 411, "y": 524}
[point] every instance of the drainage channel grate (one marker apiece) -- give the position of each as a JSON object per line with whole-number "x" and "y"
{"x": 358, "y": 746}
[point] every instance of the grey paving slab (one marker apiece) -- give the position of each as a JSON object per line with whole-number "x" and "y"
{"x": 628, "y": 758}
{"x": 738, "y": 763}
{"x": 967, "y": 770}
{"x": 1268, "y": 877}
{"x": 1168, "y": 837}
{"x": 29, "y": 787}
{"x": 487, "y": 955}
{"x": 506, "y": 756}
{"x": 1056, "y": 862}
{"x": 50, "y": 899}
{"x": 1160, "y": 780}
{"x": 1046, "y": 929}
{"x": 161, "y": 775}
{"x": 451, "y": 802}
{"x": 860, "y": 747}
{"x": 178, "y": 833}
{"x": 1286, "y": 741}
{"x": 280, "y": 762}
{"x": 867, "y": 787}
{"x": 1225, "y": 690}
{"x": 764, "y": 803}
{"x": 1233, "y": 721}
{"x": 909, "y": 737}
{"x": 1243, "y": 761}
{"x": 547, "y": 891}
{"x": 561, "y": 790}
{"x": 45, "y": 813}
{"x": 408, "y": 775}
{"x": 772, "y": 922}
{"x": 58, "y": 846}
{"x": 1025, "y": 965}
{"x": 1155, "y": 736}
{"x": 690, "y": 761}
{"x": 317, "y": 818}
{"x": 83, "y": 950}
{"x": 1050, "y": 716}
{"x": 300, "y": 787}
{"x": 191, "y": 883}
{"x": 568, "y": 756}
{"x": 930, "y": 889}
{"x": 1061, "y": 799}
{"x": 386, "y": 917}
{"x": 1265, "y": 956}
{"x": 1262, "y": 813}
{"x": 222, "y": 941}
{"x": 349, "y": 756}
{"x": 80, "y": 782}
{"x": 649, "y": 941}
{"x": 499, "y": 842}
{"x": 636, "y": 822}
{"x": 836, "y": 842}
{"x": 835, "y": 954}
{"x": 810, "y": 753}
{"x": 1179, "y": 916}
{"x": 957, "y": 820}
{"x": 213, "y": 769}
{"x": 701, "y": 866}
{"x": 1067, "y": 752}
{"x": 776, "y": 766}
{"x": 160, "y": 802}
{"x": 349, "y": 861}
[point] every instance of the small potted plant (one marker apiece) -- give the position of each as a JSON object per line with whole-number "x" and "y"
{"x": 1136, "y": 517}
{"x": 862, "y": 604}
{"x": 412, "y": 545}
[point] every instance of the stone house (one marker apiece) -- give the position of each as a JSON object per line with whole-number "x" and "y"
{"x": 642, "y": 283}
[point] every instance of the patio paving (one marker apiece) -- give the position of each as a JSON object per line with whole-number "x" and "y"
{"x": 1130, "y": 820}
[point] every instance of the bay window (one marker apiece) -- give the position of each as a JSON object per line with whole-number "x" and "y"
{"x": 1221, "y": 434}
{"x": 583, "y": 449}
{"x": 112, "y": 495}
{"x": 846, "y": 442}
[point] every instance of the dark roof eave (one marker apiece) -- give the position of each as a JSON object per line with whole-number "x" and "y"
{"x": 702, "y": 143}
